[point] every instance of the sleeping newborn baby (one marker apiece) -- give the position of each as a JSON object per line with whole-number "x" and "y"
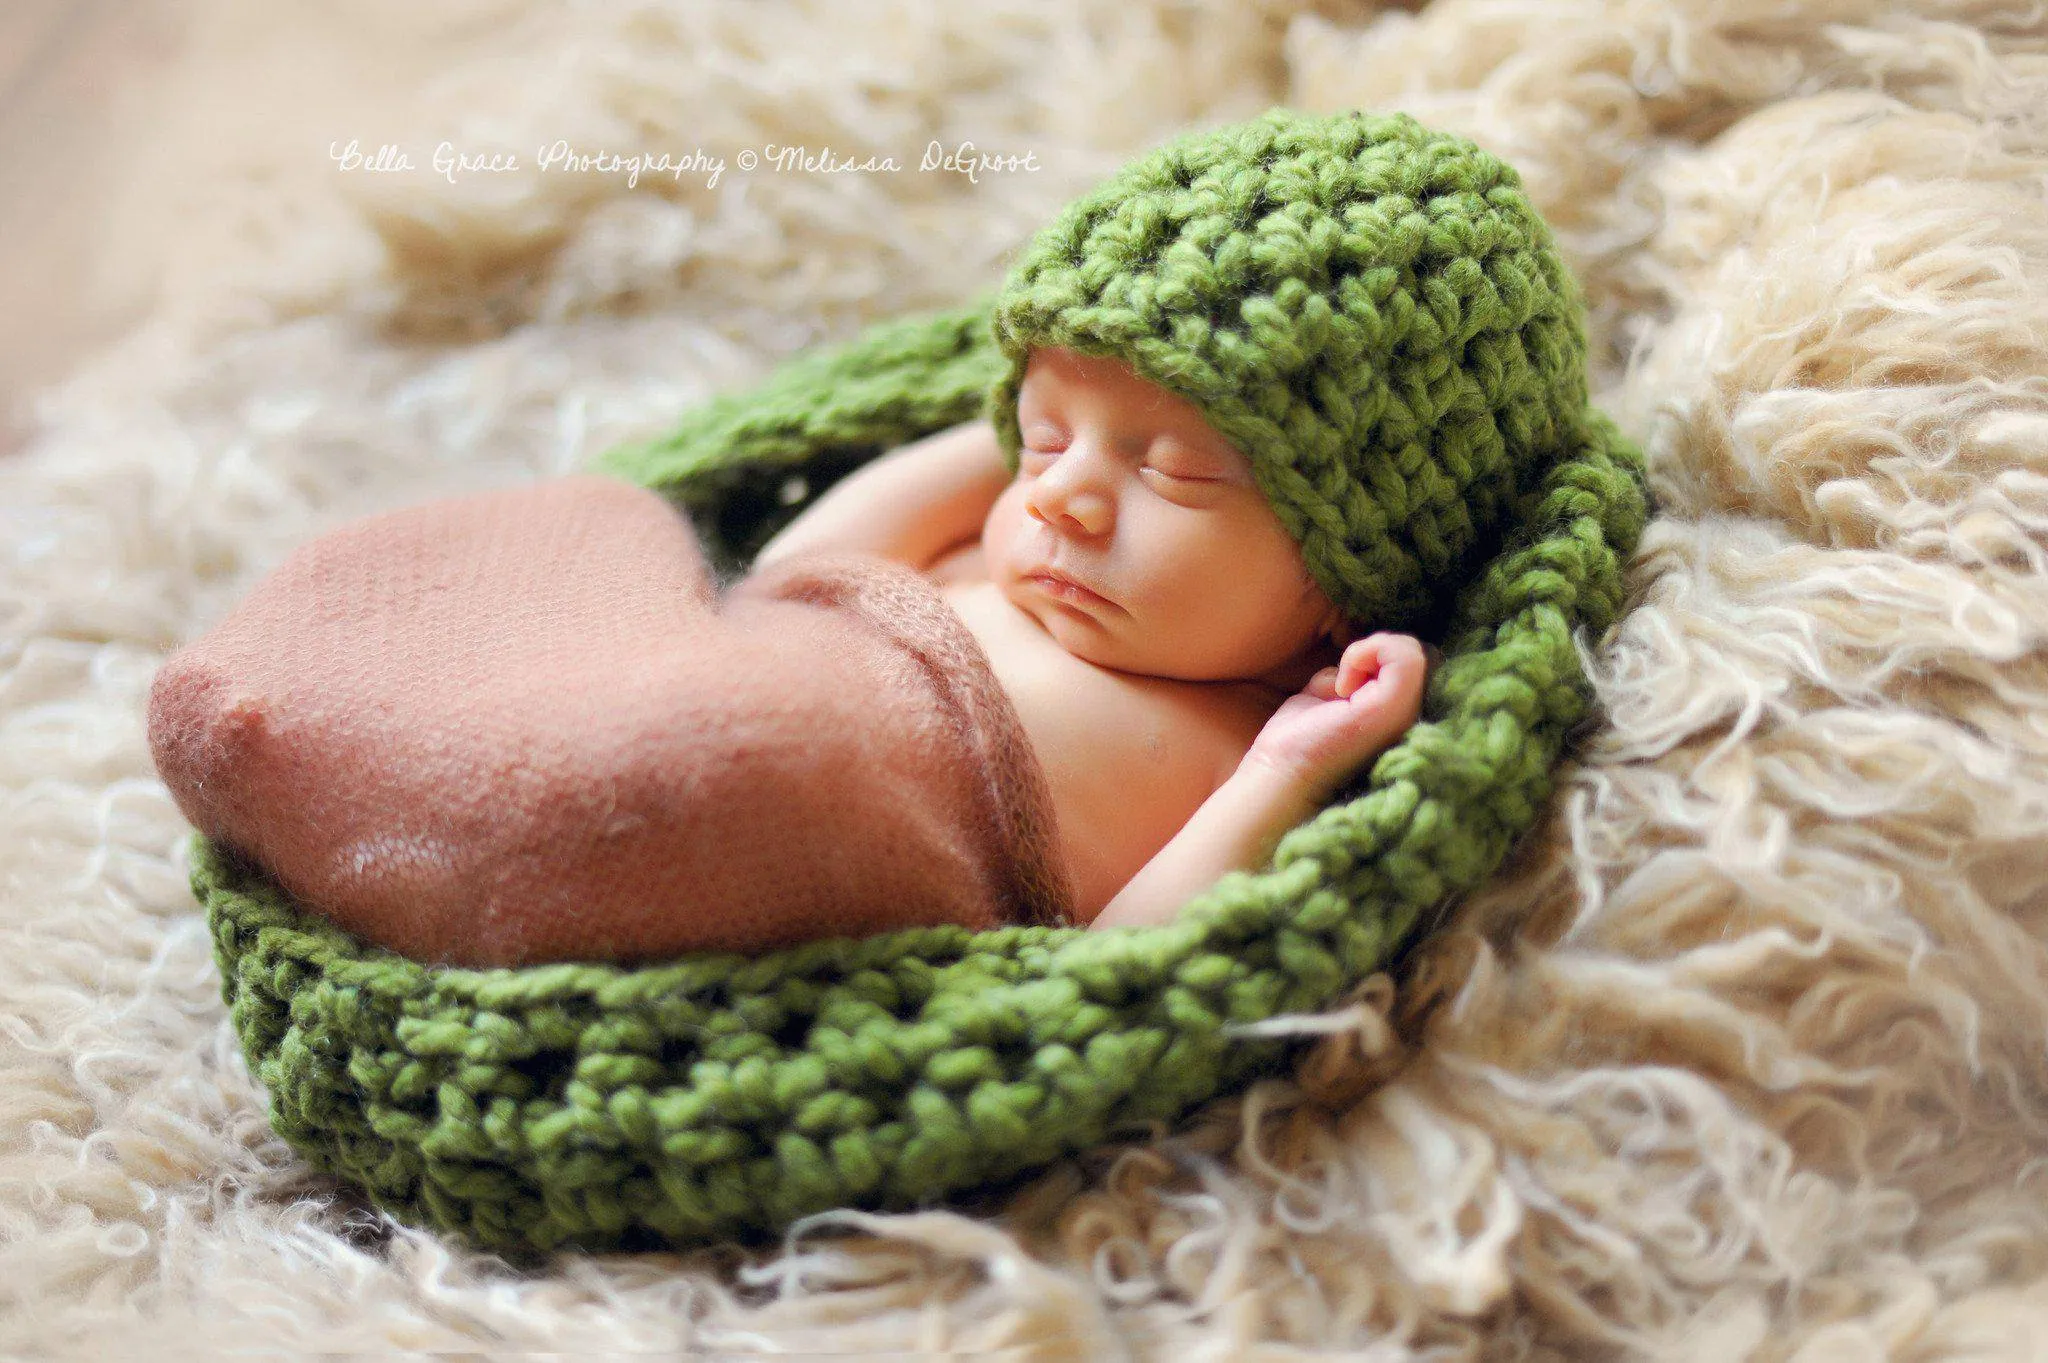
{"x": 522, "y": 726}
{"x": 1181, "y": 676}
{"x": 1259, "y": 408}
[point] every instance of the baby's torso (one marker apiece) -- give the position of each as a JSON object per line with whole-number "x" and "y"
{"x": 1128, "y": 759}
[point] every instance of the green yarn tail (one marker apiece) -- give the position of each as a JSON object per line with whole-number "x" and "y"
{"x": 814, "y": 419}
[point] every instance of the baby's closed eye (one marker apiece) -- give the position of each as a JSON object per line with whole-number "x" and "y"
{"x": 1180, "y": 474}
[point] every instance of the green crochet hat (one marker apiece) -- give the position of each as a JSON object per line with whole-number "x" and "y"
{"x": 1370, "y": 310}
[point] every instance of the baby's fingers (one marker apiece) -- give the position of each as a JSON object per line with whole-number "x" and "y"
{"x": 1359, "y": 666}
{"x": 1376, "y": 657}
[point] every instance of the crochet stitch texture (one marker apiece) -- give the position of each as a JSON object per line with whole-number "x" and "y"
{"x": 1377, "y": 315}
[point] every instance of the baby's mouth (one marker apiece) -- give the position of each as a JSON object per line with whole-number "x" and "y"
{"x": 1066, "y": 590}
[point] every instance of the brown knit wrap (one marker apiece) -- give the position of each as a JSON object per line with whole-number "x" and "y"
{"x": 521, "y": 726}
{"x": 1015, "y": 804}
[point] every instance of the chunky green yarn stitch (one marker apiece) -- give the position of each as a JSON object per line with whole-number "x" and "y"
{"x": 608, "y": 1107}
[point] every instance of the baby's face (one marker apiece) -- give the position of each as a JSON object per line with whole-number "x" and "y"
{"x": 1123, "y": 486}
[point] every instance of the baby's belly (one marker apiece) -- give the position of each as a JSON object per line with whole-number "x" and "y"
{"x": 1124, "y": 773}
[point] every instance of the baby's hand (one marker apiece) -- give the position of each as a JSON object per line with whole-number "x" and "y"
{"x": 1347, "y": 713}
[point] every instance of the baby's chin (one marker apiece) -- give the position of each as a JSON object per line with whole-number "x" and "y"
{"x": 1079, "y": 630}
{"x": 1119, "y": 647}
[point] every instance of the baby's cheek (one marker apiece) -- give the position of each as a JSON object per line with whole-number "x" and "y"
{"x": 1000, "y": 527}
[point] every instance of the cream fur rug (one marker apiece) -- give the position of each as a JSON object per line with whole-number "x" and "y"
{"x": 1745, "y": 1058}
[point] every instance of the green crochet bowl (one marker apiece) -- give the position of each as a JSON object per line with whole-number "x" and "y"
{"x": 609, "y": 1107}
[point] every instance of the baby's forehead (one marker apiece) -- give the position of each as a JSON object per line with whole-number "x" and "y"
{"x": 1054, "y": 378}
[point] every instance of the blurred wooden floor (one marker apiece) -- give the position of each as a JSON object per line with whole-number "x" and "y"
{"x": 75, "y": 81}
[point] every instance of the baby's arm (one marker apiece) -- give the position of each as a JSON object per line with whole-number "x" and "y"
{"x": 912, "y": 504}
{"x": 1310, "y": 747}
{"x": 1236, "y": 829}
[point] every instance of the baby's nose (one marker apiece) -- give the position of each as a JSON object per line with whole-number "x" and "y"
{"x": 1072, "y": 512}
